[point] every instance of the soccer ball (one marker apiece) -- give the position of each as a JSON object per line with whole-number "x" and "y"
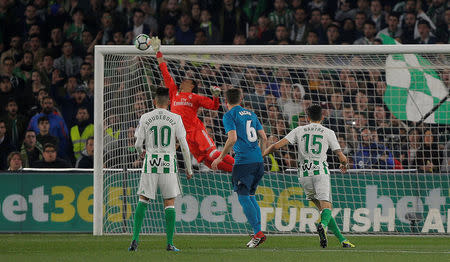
{"x": 142, "y": 42}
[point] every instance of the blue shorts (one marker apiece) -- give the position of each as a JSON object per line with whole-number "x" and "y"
{"x": 245, "y": 177}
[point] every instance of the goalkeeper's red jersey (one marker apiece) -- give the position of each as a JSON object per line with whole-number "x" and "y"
{"x": 187, "y": 104}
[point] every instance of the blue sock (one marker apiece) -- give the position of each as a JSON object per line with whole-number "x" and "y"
{"x": 250, "y": 212}
{"x": 258, "y": 210}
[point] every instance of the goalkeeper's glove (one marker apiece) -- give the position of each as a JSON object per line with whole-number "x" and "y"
{"x": 215, "y": 91}
{"x": 155, "y": 43}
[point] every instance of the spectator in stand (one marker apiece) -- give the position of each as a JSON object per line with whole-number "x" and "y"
{"x": 281, "y": 35}
{"x": 58, "y": 127}
{"x": 68, "y": 63}
{"x": 360, "y": 18}
{"x": 333, "y": 35}
{"x": 5, "y": 146}
{"x": 239, "y": 39}
{"x": 231, "y": 20}
{"x": 138, "y": 27}
{"x": 408, "y": 28}
{"x": 169, "y": 14}
{"x": 348, "y": 33}
{"x": 195, "y": 16}
{"x": 211, "y": 31}
{"x": 26, "y": 67}
{"x": 44, "y": 137}
{"x": 436, "y": 11}
{"x": 119, "y": 19}
{"x": 85, "y": 73}
{"x": 363, "y": 6}
{"x": 15, "y": 50}
{"x": 252, "y": 36}
{"x": 443, "y": 30}
{"x": 425, "y": 33}
{"x": 377, "y": 14}
{"x": 345, "y": 11}
{"x": 149, "y": 18}
{"x": 325, "y": 22}
{"x": 6, "y": 93}
{"x": 15, "y": 122}
{"x": 81, "y": 131}
{"x": 300, "y": 27}
{"x": 169, "y": 35}
{"x": 30, "y": 18}
{"x": 312, "y": 38}
{"x": 318, "y": 4}
{"x": 369, "y": 34}
{"x": 78, "y": 100}
{"x": 265, "y": 33}
{"x": 428, "y": 157}
{"x": 31, "y": 150}
{"x": 257, "y": 97}
{"x": 55, "y": 45}
{"x": 50, "y": 160}
{"x": 86, "y": 159}
{"x": 36, "y": 49}
{"x": 75, "y": 30}
{"x": 314, "y": 19}
{"x": 281, "y": 15}
{"x": 183, "y": 32}
{"x": 371, "y": 154}
{"x": 392, "y": 30}
{"x": 15, "y": 162}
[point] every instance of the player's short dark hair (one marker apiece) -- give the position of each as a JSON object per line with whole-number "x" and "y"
{"x": 233, "y": 96}
{"x": 314, "y": 112}
{"x": 162, "y": 95}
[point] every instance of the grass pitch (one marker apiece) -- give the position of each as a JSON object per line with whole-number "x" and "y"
{"x": 65, "y": 247}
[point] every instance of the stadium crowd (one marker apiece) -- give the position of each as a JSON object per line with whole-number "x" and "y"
{"x": 47, "y": 84}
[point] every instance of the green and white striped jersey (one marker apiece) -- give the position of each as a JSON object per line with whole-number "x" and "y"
{"x": 313, "y": 141}
{"x": 159, "y": 129}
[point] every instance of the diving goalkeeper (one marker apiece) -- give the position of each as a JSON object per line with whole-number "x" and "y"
{"x": 186, "y": 103}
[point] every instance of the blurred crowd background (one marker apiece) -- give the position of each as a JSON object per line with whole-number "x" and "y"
{"x": 47, "y": 64}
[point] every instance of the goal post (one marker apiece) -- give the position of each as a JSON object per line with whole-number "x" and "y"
{"x": 370, "y": 95}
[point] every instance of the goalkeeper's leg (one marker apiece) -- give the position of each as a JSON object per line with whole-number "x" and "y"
{"x": 225, "y": 165}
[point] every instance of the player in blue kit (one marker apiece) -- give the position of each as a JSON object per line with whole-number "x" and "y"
{"x": 243, "y": 128}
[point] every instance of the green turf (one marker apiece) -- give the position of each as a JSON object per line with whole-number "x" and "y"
{"x": 65, "y": 247}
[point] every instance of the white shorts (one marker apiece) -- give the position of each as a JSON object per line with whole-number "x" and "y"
{"x": 167, "y": 183}
{"x": 317, "y": 187}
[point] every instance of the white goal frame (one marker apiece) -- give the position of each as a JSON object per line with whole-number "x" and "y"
{"x": 102, "y": 50}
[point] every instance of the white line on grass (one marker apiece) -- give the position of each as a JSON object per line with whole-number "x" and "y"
{"x": 323, "y": 250}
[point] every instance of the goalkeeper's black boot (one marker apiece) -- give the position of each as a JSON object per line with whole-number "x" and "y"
{"x": 172, "y": 248}
{"x": 133, "y": 246}
{"x": 322, "y": 235}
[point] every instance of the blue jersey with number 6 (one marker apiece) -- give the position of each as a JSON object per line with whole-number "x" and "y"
{"x": 246, "y": 124}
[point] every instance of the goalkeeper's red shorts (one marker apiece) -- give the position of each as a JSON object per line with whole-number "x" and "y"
{"x": 200, "y": 144}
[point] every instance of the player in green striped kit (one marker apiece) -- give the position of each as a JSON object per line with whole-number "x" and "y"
{"x": 159, "y": 129}
{"x": 313, "y": 141}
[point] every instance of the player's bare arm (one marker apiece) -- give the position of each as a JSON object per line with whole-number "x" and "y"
{"x": 231, "y": 140}
{"x": 263, "y": 140}
{"x": 283, "y": 142}
{"x": 343, "y": 160}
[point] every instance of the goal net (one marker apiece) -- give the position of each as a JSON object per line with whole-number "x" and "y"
{"x": 375, "y": 98}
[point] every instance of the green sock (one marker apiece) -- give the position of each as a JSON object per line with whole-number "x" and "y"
{"x": 333, "y": 227}
{"x": 325, "y": 217}
{"x": 170, "y": 223}
{"x": 138, "y": 218}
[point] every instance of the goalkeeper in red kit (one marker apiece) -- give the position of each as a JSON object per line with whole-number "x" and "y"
{"x": 186, "y": 103}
